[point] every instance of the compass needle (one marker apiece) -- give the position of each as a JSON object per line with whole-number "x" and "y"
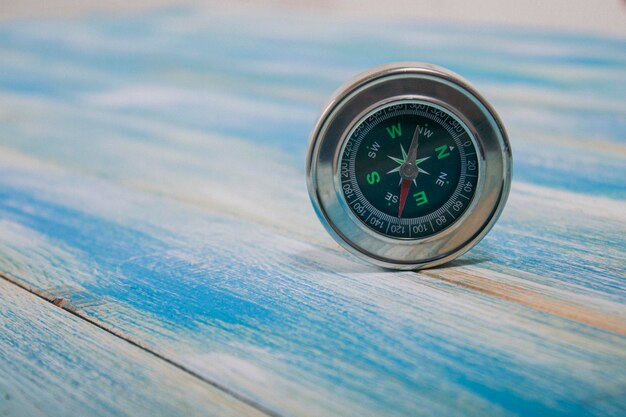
{"x": 410, "y": 171}
{"x": 405, "y": 186}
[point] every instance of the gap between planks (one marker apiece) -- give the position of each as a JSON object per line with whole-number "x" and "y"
{"x": 65, "y": 304}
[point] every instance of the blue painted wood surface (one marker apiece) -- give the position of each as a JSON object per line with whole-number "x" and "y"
{"x": 55, "y": 364}
{"x": 121, "y": 190}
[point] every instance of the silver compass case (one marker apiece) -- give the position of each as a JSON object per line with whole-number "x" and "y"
{"x": 402, "y": 82}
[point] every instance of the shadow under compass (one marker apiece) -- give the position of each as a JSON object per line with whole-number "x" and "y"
{"x": 331, "y": 261}
{"x": 461, "y": 262}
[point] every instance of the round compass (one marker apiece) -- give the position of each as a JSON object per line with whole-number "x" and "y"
{"x": 408, "y": 166}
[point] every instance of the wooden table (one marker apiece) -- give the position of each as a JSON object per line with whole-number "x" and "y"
{"x": 159, "y": 254}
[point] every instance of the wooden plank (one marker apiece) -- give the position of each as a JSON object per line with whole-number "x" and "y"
{"x": 56, "y": 364}
{"x": 152, "y": 233}
{"x": 270, "y": 314}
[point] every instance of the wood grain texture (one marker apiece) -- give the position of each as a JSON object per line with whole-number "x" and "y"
{"x": 55, "y": 364}
{"x": 118, "y": 194}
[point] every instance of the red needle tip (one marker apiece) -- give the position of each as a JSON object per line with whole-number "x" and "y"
{"x": 404, "y": 192}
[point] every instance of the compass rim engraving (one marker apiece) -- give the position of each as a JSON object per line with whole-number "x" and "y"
{"x": 388, "y": 83}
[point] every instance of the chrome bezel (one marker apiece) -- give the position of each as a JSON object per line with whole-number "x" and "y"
{"x": 373, "y": 89}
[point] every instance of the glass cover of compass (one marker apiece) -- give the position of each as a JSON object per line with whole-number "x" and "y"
{"x": 405, "y": 198}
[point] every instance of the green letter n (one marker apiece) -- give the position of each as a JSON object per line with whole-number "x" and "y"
{"x": 443, "y": 151}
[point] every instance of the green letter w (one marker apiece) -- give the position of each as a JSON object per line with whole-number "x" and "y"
{"x": 394, "y": 130}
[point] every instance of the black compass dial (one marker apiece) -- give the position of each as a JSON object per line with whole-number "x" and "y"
{"x": 440, "y": 185}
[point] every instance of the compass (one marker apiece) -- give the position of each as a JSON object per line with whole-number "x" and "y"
{"x": 408, "y": 166}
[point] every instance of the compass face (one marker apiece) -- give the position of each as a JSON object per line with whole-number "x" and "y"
{"x": 415, "y": 206}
